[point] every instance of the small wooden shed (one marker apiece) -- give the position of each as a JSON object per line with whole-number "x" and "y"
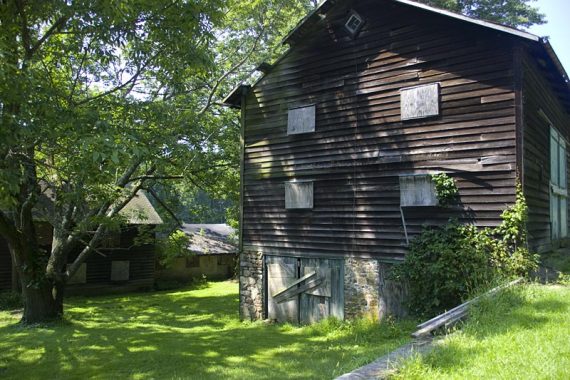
{"x": 214, "y": 254}
{"x": 341, "y": 134}
{"x": 125, "y": 266}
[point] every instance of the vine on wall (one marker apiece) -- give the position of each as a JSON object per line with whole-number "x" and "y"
{"x": 445, "y": 189}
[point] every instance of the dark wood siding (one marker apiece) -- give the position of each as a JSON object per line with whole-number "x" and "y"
{"x": 141, "y": 257}
{"x": 361, "y": 146}
{"x": 5, "y": 266}
{"x": 538, "y": 95}
{"x": 141, "y": 262}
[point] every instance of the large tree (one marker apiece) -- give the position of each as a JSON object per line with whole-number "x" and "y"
{"x": 100, "y": 99}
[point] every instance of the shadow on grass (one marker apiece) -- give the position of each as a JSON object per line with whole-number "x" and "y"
{"x": 187, "y": 334}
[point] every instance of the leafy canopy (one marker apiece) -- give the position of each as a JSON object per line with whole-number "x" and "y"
{"x": 515, "y": 13}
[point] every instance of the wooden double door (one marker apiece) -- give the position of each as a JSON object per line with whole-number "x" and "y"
{"x": 304, "y": 290}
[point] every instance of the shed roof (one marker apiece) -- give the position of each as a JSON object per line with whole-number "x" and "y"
{"x": 560, "y": 81}
{"x": 210, "y": 239}
{"x": 139, "y": 210}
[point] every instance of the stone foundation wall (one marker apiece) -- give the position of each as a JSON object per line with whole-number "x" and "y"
{"x": 369, "y": 291}
{"x": 361, "y": 287}
{"x": 251, "y": 286}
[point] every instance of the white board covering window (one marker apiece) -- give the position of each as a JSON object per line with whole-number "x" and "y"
{"x": 558, "y": 186}
{"x": 417, "y": 190}
{"x": 419, "y": 102}
{"x": 120, "y": 270}
{"x": 301, "y": 120}
{"x": 299, "y": 195}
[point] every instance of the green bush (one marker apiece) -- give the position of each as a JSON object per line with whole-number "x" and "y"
{"x": 445, "y": 265}
{"x": 175, "y": 245}
{"x": 10, "y": 301}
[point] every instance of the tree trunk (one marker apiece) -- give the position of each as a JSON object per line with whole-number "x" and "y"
{"x": 42, "y": 303}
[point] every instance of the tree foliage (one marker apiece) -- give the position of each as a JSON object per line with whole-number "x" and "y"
{"x": 515, "y": 13}
{"x": 101, "y": 99}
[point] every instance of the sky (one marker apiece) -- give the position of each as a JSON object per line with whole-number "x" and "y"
{"x": 557, "y": 28}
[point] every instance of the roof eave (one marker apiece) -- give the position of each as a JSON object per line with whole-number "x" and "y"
{"x": 552, "y": 54}
{"x": 233, "y": 100}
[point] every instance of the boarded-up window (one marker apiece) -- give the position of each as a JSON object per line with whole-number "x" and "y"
{"x": 301, "y": 120}
{"x": 419, "y": 102}
{"x": 80, "y": 277}
{"x": 120, "y": 270}
{"x": 299, "y": 195}
{"x": 417, "y": 190}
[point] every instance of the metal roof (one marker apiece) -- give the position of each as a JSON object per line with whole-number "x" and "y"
{"x": 210, "y": 239}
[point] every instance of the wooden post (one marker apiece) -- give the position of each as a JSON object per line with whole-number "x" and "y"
{"x": 457, "y": 313}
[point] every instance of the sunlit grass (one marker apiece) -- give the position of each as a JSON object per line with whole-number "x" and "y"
{"x": 188, "y": 334}
{"x": 523, "y": 334}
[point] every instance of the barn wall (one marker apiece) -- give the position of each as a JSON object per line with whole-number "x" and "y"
{"x": 141, "y": 260}
{"x": 539, "y": 95}
{"x": 141, "y": 271}
{"x": 360, "y": 145}
{"x": 5, "y": 266}
{"x": 213, "y": 266}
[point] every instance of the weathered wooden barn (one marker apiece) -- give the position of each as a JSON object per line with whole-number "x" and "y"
{"x": 341, "y": 134}
{"x": 125, "y": 266}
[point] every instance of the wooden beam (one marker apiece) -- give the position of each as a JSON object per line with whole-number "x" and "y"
{"x": 307, "y": 286}
{"x": 297, "y": 282}
{"x": 457, "y": 313}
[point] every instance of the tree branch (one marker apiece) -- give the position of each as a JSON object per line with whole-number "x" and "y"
{"x": 131, "y": 81}
{"x": 229, "y": 72}
{"x": 101, "y": 229}
{"x": 93, "y": 248}
{"x": 26, "y": 39}
{"x": 76, "y": 79}
{"x": 56, "y": 25}
{"x": 146, "y": 177}
{"x": 164, "y": 206}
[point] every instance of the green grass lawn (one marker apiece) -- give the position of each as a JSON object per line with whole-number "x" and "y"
{"x": 187, "y": 334}
{"x": 522, "y": 334}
